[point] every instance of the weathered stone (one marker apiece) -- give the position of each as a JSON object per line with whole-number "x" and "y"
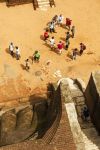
{"x": 92, "y": 94}
{"x": 8, "y": 126}
{"x": 24, "y": 118}
{"x": 65, "y": 93}
{"x": 8, "y": 121}
{"x": 81, "y": 84}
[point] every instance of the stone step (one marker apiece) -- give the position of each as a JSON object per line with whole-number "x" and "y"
{"x": 43, "y": 3}
{"x": 44, "y": 6}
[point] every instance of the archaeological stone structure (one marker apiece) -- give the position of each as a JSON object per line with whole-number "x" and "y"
{"x": 36, "y": 3}
{"x": 49, "y": 123}
{"x": 92, "y": 94}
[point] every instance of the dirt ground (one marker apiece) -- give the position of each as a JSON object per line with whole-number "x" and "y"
{"x": 23, "y": 26}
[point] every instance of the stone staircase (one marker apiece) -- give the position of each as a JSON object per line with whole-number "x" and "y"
{"x": 84, "y": 132}
{"x": 44, "y": 4}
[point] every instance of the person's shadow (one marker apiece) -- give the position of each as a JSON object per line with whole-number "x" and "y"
{"x": 41, "y": 37}
{"x": 8, "y": 52}
{"x": 63, "y": 39}
{"x": 23, "y": 66}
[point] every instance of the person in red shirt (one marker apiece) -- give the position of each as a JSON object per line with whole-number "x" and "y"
{"x": 68, "y": 22}
{"x": 46, "y": 35}
{"x": 60, "y": 47}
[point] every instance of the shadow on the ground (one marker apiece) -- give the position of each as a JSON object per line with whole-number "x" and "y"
{"x": 41, "y": 37}
{"x": 63, "y": 39}
{"x": 53, "y": 49}
{"x": 23, "y": 66}
{"x": 8, "y": 52}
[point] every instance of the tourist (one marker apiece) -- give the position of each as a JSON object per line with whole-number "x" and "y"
{"x": 73, "y": 31}
{"x": 82, "y": 48}
{"x": 68, "y": 36}
{"x": 67, "y": 44}
{"x": 46, "y": 35}
{"x": 11, "y": 49}
{"x": 36, "y": 56}
{"x": 52, "y": 42}
{"x": 68, "y": 23}
{"x": 17, "y": 53}
{"x": 74, "y": 53}
{"x": 85, "y": 113}
{"x": 54, "y": 19}
{"x": 60, "y": 47}
{"x": 52, "y": 27}
{"x": 60, "y": 20}
{"x": 27, "y": 64}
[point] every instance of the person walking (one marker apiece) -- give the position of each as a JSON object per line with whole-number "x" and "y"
{"x": 82, "y": 48}
{"x": 52, "y": 42}
{"x": 17, "y": 53}
{"x": 11, "y": 49}
{"x": 73, "y": 31}
{"x": 27, "y": 65}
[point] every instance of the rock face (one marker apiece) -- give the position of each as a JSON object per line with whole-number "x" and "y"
{"x": 92, "y": 94}
{"x": 18, "y": 124}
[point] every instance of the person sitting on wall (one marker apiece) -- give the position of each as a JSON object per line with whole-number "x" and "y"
{"x": 85, "y": 113}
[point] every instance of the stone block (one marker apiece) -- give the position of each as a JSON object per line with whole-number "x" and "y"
{"x": 24, "y": 118}
{"x": 8, "y": 121}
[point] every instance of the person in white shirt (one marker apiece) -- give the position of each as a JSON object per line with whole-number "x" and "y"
{"x": 11, "y": 49}
{"x": 60, "y": 20}
{"x": 52, "y": 27}
{"x": 52, "y": 42}
{"x": 17, "y": 53}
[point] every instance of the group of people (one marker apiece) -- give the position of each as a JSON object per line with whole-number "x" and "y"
{"x": 13, "y": 48}
{"x": 15, "y": 52}
{"x": 57, "y": 20}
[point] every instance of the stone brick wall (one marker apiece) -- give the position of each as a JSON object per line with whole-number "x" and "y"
{"x": 92, "y": 94}
{"x": 18, "y": 2}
